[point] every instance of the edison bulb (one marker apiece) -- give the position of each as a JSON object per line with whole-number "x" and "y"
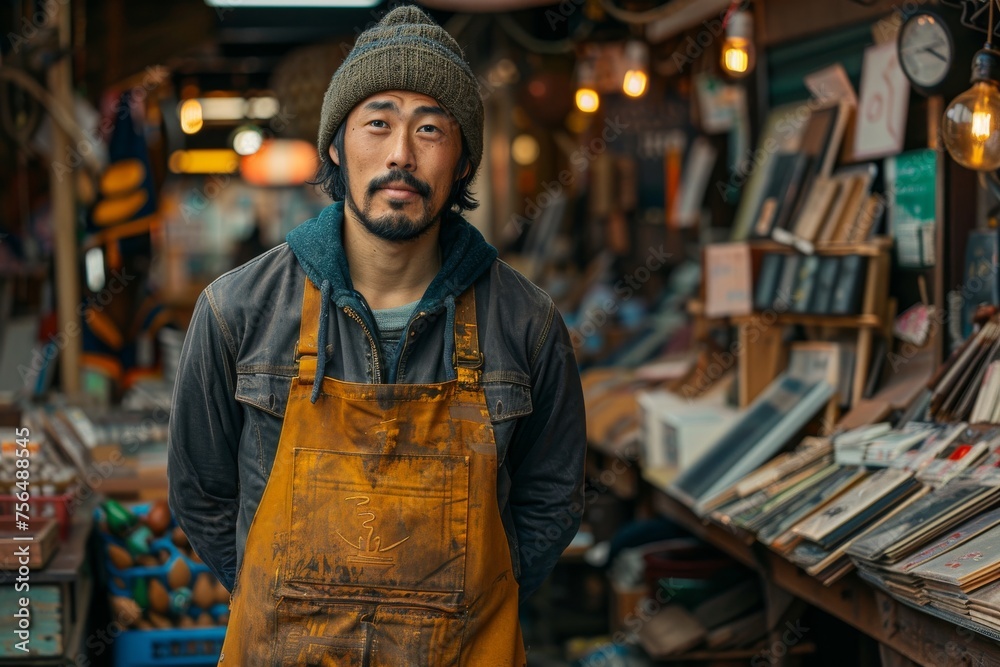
{"x": 634, "y": 84}
{"x": 737, "y": 49}
{"x": 587, "y": 100}
{"x": 736, "y": 56}
{"x": 971, "y": 127}
{"x": 191, "y": 116}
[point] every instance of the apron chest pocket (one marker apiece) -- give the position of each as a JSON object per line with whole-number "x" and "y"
{"x": 383, "y": 529}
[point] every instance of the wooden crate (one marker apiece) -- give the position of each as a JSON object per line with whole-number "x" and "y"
{"x": 40, "y": 549}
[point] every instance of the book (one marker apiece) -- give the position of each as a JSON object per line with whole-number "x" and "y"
{"x": 785, "y": 294}
{"x": 783, "y": 408}
{"x": 924, "y": 520}
{"x": 781, "y": 133}
{"x": 980, "y": 286}
{"x": 805, "y": 284}
{"x": 686, "y": 209}
{"x": 826, "y": 285}
{"x": 853, "y": 504}
{"x": 970, "y": 566}
{"x": 850, "y": 284}
{"x": 727, "y": 279}
{"x": 767, "y": 281}
{"x": 952, "y": 539}
{"x": 959, "y": 455}
{"x": 810, "y": 500}
{"x": 855, "y": 186}
{"x": 867, "y": 221}
{"x": 787, "y": 171}
{"x": 815, "y": 210}
{"x": 911, "y": 188}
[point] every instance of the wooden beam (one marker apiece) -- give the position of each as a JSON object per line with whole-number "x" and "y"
{"x": 62, "y": 186}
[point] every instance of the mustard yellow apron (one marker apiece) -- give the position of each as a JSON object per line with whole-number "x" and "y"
{"x": 378, "y": 540}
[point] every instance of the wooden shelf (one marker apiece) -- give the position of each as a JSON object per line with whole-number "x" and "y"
{"x": 839, "y": 321}
{"x": 872, "y": 248}
{"x": 924, "y": 639}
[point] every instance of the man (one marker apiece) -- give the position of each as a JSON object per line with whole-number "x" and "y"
{"x": 398, "y": 412}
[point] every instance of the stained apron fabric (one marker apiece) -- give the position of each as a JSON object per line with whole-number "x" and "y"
{"x": 378, "y": 540}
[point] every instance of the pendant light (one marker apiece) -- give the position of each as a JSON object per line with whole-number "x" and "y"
{"x": 587, "y": 99}
{"x": 637, "y": 68}
{"x": 971, "y": 124}
{"x": 738, "y": 57}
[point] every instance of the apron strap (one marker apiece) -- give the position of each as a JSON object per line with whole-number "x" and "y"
{"x": 468, "y": 360}
{"x": 308, "y": 346}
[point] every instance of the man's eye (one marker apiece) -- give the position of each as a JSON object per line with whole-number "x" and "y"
{"x": 378, "y": 123}
{"x": 428, "y": 128}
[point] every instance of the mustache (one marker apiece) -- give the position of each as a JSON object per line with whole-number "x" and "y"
{"x": 405, "y": 177}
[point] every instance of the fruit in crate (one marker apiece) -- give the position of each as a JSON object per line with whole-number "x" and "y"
{"x": 179, "y": 574}
{"x": 159, "y": 621}
{"x": 203, "y": 593}
{"x": 158, "y": 517}
{"x": 119, "y": 557}
{"x": 159, "y": 596}
{"x": 125, "y": 610}
{"x": 221, "y": 593}
{"x": 179, "y": 539}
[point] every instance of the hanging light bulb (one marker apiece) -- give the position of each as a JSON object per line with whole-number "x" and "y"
{"x": 587, "y": 99}
{"x": 191, "y": 116}
{"x": 737, "y": 51}
{"x": 636, "y": 76}
{"x": 971, "y": 125}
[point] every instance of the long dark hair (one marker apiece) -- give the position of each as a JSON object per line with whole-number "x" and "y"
{"x": 330, "y": 177}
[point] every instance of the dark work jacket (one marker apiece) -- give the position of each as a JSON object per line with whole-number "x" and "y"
{"x": 239, "y": 357}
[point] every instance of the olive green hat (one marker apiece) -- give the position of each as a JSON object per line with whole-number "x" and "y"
{"x": 406, "y": 50}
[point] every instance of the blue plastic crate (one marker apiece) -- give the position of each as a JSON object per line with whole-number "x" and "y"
{"x": 163, "y": 648}
{"x": 177, "y": 647}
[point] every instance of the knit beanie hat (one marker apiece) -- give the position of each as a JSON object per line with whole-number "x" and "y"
{"x": 406, "y": 50}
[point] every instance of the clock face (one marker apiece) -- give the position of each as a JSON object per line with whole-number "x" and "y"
{"x": 926, "y": 51}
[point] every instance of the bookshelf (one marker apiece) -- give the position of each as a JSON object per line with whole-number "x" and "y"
{"x": 760, "y": 331}
{"x": 916, "y": 635}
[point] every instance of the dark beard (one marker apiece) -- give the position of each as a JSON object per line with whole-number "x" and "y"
{"x": 394, "y": 226}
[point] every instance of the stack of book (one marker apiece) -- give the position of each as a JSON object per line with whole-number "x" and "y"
{"x": 827, "y": 534}
{"x": 967, "y": 388}
{"x": 790, "y": 402}
{"x": 811, "y": 284}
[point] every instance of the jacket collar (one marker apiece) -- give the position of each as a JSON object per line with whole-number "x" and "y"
{"x": 318, "y": 246}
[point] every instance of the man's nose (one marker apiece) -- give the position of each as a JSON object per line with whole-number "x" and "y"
{"x": 401, "y": 156}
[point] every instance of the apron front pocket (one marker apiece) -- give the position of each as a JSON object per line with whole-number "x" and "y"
{"x": 379, "y": 528}
{"x": 323, "y": 633}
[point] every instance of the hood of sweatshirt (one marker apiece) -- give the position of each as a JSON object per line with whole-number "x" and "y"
{"x": 318, "y": 246}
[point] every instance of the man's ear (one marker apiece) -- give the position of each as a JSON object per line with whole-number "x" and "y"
{"x": 333, "y": 155}
{"x": 465, "y": 172}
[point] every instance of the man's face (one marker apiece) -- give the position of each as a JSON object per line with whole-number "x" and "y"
{"x": 401, "y": 150}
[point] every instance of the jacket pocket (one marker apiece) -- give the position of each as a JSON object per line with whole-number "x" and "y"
{"x": 264, "y": 396}
{"x": 506, "y": 399}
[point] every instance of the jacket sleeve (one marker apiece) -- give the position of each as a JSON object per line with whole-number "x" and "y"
{"x": 203, "y": 440}
{"x": 547, "y": 459}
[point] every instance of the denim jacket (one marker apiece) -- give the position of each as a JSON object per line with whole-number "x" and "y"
{"x": 239, "y": 358}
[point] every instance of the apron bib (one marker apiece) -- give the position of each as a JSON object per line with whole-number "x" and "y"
{"x": 378, "y": 540}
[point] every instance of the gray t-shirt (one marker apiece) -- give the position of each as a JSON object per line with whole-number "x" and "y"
{"x": 391, "y": 322}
